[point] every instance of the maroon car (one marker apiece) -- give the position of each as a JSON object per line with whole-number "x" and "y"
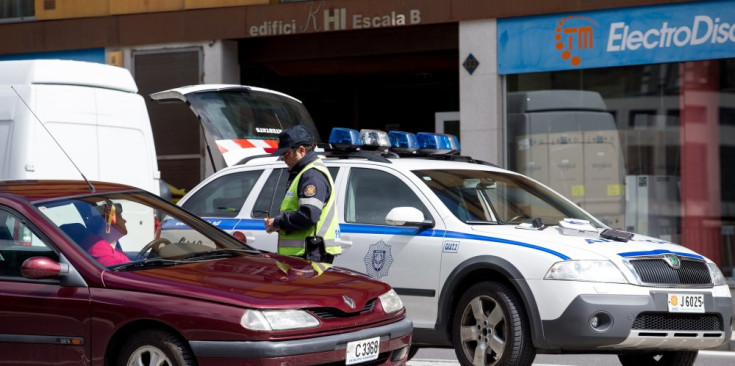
{"x": 105, "y": 274}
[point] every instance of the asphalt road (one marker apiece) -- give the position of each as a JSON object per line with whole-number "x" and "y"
{"x": 446, "y": 357}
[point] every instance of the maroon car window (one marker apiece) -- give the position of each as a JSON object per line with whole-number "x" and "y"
{"x": 18, "y": 243}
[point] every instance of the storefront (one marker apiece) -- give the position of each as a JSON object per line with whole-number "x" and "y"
{"x": 631, "y": 114}
{"x": 628, "y": 111}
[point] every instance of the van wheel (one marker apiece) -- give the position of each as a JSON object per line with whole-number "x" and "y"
{"x": 669, "y": 358}
{"x": 155, "y": 347}
{"x": 490, "y": 328}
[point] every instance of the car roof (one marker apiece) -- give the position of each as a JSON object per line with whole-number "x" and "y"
{"x": 39, "y": 190}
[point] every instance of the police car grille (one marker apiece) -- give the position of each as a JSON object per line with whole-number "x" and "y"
{"x": 669, "y": 321}
{"x": 657, "y": 272}
{"x": 331, "y": 313}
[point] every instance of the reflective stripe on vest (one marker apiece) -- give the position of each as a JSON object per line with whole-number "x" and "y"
{"x": 292, "y": 243}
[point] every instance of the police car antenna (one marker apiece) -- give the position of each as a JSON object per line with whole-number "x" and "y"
{"x": 91, "y": 187}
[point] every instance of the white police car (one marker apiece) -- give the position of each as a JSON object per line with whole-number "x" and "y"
{"x": 489, "y": 261}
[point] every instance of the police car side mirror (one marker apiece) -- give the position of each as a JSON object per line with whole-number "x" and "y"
{"x": 408, "y": 216}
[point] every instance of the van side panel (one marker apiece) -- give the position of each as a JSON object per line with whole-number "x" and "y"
{"x": 69, "y": 113}
{"x": 7, "y": 107}
{"x": 126, "y": 149}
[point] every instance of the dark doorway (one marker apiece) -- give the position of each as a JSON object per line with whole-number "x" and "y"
{"x": 388, "y": 79}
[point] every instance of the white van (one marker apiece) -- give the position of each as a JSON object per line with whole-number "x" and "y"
{"x": 92, "y": 110}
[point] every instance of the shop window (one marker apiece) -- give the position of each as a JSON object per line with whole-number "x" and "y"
{"x": 16, "y": 10}
{"x": 667, "y": 159}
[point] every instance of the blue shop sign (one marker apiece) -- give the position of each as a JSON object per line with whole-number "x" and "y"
{"x": 619, "y": 37}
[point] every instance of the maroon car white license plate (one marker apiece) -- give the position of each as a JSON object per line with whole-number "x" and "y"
{"x": 362, "y": 350}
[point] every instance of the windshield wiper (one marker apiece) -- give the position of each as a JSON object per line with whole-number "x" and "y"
{"x": 221, "y": 252}
{"x": 146, "y": 264}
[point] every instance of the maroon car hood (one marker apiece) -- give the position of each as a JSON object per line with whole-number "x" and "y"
{"x": 261, "y": 281}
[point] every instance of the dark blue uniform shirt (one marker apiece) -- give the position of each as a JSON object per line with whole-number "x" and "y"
{"x": 307, "y": 215}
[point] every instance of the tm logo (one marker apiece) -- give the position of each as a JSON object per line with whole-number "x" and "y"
{"x": 573, "y": 35}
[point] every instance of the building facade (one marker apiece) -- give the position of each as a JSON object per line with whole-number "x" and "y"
{"x": 626, "y": 107}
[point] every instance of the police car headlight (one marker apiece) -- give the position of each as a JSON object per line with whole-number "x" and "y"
{"x": 277, "y": 320}
{"x": 589, "y": 271}
{"x": 391, "y": 302}
{"x": 718, "y": 279}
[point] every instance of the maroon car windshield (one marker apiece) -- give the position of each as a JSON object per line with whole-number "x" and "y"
{"x": 134, "y": 231}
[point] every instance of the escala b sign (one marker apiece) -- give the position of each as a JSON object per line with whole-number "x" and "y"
{"x": 323, "y": 20}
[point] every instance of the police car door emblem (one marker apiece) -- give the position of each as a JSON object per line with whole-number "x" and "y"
{"x": 378, "y": 260}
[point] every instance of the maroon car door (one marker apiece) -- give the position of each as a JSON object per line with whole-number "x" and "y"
{"x": 41, "y": 321}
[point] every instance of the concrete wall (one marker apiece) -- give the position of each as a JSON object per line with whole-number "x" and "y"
{"x": 480, "y": 93}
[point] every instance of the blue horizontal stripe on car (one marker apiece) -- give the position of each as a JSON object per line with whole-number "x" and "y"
{"x": 224, "y": 224}
{"x": 659, "y": 251}
{"x": 250, "y": 225}
{"x": 392, "y": 230}
{"x": 256, "y": 224}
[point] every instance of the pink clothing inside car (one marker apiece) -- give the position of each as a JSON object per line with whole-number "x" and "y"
{"x": 103, "y": 252}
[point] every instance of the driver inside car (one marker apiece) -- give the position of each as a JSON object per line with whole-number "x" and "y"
{"x": 107, "y": 229}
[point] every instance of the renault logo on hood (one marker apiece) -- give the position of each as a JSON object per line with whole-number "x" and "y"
{"x": 673, "y": 261}
{"x": 348, "y": 301}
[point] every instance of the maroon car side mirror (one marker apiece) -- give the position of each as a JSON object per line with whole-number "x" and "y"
{"x": 40, "y": 268}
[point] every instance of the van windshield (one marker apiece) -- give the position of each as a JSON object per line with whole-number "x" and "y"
{"x": 249, "y": 114}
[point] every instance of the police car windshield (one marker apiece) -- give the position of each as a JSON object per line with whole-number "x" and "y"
{"x": 249, "y": 114}
{"x": 477, "y": 196}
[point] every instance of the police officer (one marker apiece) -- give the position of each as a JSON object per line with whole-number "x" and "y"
{"x": 308, "y": 209}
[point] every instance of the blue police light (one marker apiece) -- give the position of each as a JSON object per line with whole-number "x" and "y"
{"x": 403, "y": 142}
{"x": 374, "y": 139}
{"x": 434, "y": 143}
{"x": 345, "y": 138}
{"x": 455, "y": 143}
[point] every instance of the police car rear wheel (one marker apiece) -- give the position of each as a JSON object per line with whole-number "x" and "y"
{"x": 670, "y": 358}
{"x": 490, "y": 327}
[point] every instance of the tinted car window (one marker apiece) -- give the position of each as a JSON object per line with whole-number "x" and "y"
{"x": 249, "y": 114}
{"x": 271, "y": 196}
{"x": 224, "y": 196}
{"x": 371, "y": 194}
{"x": 18, "y": 243}
{"x": 477, "y": 195}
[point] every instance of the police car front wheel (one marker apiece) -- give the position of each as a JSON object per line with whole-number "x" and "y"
{"x": 490, "y": 327}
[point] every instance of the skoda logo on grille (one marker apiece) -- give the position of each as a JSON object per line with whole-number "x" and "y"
{"x": 673, "y": 261}
{"x": 349, "y": 301}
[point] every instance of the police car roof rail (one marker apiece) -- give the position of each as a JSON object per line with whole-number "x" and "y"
{"x": 364, "y": 154}
{"x": 246, "y": 159}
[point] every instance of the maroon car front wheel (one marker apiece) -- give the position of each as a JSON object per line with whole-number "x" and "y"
{"x": 155, "y": 347}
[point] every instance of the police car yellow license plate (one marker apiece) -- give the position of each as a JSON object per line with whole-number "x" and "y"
{"x": 686, "y": 303}
{"x": 362, "y": 350}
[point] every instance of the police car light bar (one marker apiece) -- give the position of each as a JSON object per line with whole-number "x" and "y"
{"x": 403, "y": 142}
{"x": 345, "y": 138}
{"x": 374, "y": 140}
{"x": 399, "y": 142}
{"x": 436, "y": 143}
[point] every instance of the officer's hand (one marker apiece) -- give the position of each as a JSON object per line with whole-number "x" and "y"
{"x": 269, "y": 228}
